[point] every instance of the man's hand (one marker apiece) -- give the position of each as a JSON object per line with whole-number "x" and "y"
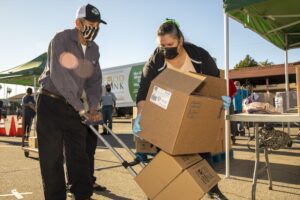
{"x": 94, "y": 115}
{"x": 91, "y": 118}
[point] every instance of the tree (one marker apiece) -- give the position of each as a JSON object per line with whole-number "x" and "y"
{"x": 248, "y": 61}
{"x": 265, "y": 63}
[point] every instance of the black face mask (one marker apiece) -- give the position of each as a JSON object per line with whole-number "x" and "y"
{"x": 108, "y": 89}
{"x": 89, "y": 32}
{"x": 169, "y": 52}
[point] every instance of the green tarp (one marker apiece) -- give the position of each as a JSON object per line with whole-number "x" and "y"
{"x": 24, "y": 74}
{"x": 274, "y": 20}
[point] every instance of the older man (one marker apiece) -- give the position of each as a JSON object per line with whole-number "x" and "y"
{"x": 72, "y": 66}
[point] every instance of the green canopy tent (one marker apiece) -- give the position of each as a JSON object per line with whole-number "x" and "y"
{"x": 25, "y": 74}
{"x": 276, "y": 21}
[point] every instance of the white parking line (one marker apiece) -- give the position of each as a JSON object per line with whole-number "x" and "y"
{"x": 100, "y": 150}
{"x": 9, "y": 146}
{"x": 16, "y": 194}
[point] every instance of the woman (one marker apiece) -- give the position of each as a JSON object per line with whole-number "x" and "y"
{"x": 174, "y": 52}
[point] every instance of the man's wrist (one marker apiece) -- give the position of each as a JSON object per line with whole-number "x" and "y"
{"x": 93, "y": 110}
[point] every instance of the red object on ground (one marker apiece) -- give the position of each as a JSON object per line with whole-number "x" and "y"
{"x": 12, "y": 130}
{"x": 2, "y": 128}
{"x": 20, "y": 128}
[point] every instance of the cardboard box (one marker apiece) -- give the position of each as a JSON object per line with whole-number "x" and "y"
{"x": 32, "y": 142}
{"x": 177, "y": 117}
{"x": 220, "y": 143}
{"x": 142, "y": 146}
{"x": 177, "y": 177}
{"x": 192, "y": 184}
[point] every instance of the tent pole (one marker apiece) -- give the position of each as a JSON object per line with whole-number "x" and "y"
{"x": 34, "y": 85}
{"x": 4, "y": 91}
{"x": 226, "y": 62}
{"x": 35, "y": 96}
{"x": 286, "y": 71}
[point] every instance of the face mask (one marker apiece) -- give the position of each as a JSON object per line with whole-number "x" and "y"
{"x": 89, "y": 32}
{"x": 108, "y": 89}
{"x": 170, "y": 52}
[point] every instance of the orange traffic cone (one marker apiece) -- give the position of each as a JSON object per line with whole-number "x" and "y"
{"x": 12, "y": 130}
{"x": 20, "y": 128}
{"x": 2, "y": 128}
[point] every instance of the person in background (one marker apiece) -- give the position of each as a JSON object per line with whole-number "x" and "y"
{"x": 174, "y": 52}
{"x": 108, "y": 102}
{"x": 28, "y": 104}
{"x": 19, "y": 112}
{"x": 232, "y": 93}
{"x": 241, "y": 94}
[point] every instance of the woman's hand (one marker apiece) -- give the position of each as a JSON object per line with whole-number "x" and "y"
{"x": 226, "y": 102}
{"x": 136, "y": 125}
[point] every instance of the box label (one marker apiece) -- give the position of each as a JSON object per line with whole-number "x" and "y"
{"x": 160, "y": 97}
{"x": 194, "y": 110}
{"x": 189, "y": 160}
{"x": 205, "y": 175}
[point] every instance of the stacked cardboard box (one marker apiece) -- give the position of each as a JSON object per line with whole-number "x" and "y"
{"x": 177, "y": 177}
{"x": 142, "y": 146}
{"x": 183, "y": 116}
{"x": 185, "y": 111}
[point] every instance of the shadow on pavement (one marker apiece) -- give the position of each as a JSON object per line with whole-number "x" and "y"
{"x": 275, "y": 152}
{"x": 14, "y": 143}
{"x": 111, "y": 195}
{"x": 275, "y": 186}
{"x": 126, "y": 138}
{"x": 280, "y": 172}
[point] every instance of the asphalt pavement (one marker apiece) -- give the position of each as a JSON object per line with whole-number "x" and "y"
{"x": 21, "y": 175}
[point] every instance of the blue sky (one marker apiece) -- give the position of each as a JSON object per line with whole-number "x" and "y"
{"x": 130, "y": 36}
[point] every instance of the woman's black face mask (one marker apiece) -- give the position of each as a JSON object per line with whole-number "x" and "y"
{"x": 169, "y": 52}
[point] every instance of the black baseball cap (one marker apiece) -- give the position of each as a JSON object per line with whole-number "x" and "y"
{"x": 89, "y": 12}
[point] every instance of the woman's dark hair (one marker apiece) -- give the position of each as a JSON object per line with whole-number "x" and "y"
{"x": 29, "y": 91}
{"x": 170, "y": 26}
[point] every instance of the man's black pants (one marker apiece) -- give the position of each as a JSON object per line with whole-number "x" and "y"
{"x": 59, "y": 128}
{"x": 91, "y": 145}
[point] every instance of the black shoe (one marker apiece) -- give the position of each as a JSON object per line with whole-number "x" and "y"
{"x": 242, "y": 133}
{"x": 233, "y": 139}
{"x": 290, "y": 144}
{"x": 215, "y": 193}
{"x": 73, "y": 198}
{"x": 98, "y": 188}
